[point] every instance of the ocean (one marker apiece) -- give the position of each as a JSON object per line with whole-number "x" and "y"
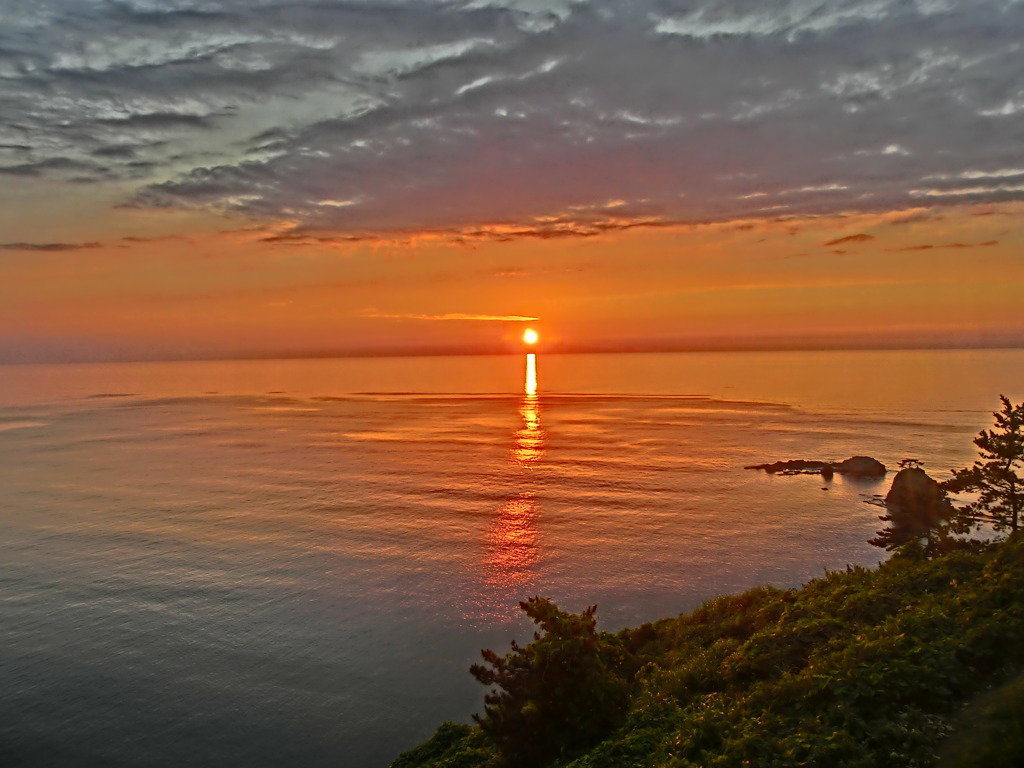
{"x": 269, "y": 563}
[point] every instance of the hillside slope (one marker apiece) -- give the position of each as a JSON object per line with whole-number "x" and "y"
{"x": 859, "y": 668}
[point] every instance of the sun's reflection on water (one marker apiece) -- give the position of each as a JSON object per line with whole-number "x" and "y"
{"x": 512, "y": 550}
{"x": 529, "y": 445}
{"x": 512, "y": 547}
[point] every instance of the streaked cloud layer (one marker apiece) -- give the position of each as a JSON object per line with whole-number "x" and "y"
{"x": 451, "y": 316}
{"x": 505, "y": 119}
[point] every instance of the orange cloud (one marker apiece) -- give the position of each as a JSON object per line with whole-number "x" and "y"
{"x": 453, "y": 316}
{"x": 851, "y": 239}
{"x": 928, "y": 247}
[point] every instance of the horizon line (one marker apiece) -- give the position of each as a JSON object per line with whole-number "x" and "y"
{"x": 606, "y": 349}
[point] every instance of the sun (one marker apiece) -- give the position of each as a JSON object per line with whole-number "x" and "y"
{"x": 530, "y": 336}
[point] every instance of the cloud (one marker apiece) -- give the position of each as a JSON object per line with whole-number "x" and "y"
{"x": 456, "y": 116}
{"x": 851, "y": 239}
{"x": 557, "y": 226}
{"x": 304, "y": 239}
{"x": 929, "y": 246}
{"x": 48, "y": 246}
{"x": 452, "y": 316}
{"x": 63, "y": 165}
{"x": 159, "y": 239}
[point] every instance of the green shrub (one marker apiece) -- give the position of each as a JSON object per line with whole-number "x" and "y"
{"x": 556, "y": 696}
{"x": 453, "y": 745}
{"x": 990, "y": 733}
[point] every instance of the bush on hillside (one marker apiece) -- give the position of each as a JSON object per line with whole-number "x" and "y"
{"x": 558, "y": 695}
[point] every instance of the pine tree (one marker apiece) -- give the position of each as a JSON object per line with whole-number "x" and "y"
{"x": 995, "y": 477}
{"x": 556, "y": 696}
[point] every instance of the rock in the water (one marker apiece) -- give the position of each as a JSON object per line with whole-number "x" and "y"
{"x": 913, "y": 492}
{"x": 860, "y": 466}
{"x": 795, "y": 466}
{"x": 856, "y": 466}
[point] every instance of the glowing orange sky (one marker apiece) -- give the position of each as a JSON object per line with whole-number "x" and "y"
{"x": 909, "y": 277}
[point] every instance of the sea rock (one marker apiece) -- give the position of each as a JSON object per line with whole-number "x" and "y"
{"x": 856, "y": 466}
{"x": 796, "y": 466}
{"x": 914, "y": 493}
{"x": 860, "y": 466}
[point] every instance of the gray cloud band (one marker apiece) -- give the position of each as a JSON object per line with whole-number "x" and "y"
{"x": 518, "y": 118}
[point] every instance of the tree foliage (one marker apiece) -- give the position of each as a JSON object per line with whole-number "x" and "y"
{"x": 558, "y": 695}
{"x": 995, "y": 478}
{"x": 990, "y": 733}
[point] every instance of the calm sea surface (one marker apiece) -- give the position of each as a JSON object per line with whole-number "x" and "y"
{"x": 294, "y": 562}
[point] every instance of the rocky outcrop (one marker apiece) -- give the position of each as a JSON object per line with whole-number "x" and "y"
{"x": 914, "y": 493}
{"x": 861, "y": 466}
{"x": 917, "y": 509}
{"x": 855, "y": 466}
{"x": 794, "y": 467}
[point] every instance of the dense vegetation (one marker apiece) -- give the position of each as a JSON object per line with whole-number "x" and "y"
{"x": 917, "y": 663}
{"x": 859, "y": 668}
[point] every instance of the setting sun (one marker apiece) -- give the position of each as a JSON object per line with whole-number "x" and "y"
{"x": 530, "y": 336}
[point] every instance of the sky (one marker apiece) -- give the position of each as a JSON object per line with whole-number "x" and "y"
{"x": 222, "y": 178}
